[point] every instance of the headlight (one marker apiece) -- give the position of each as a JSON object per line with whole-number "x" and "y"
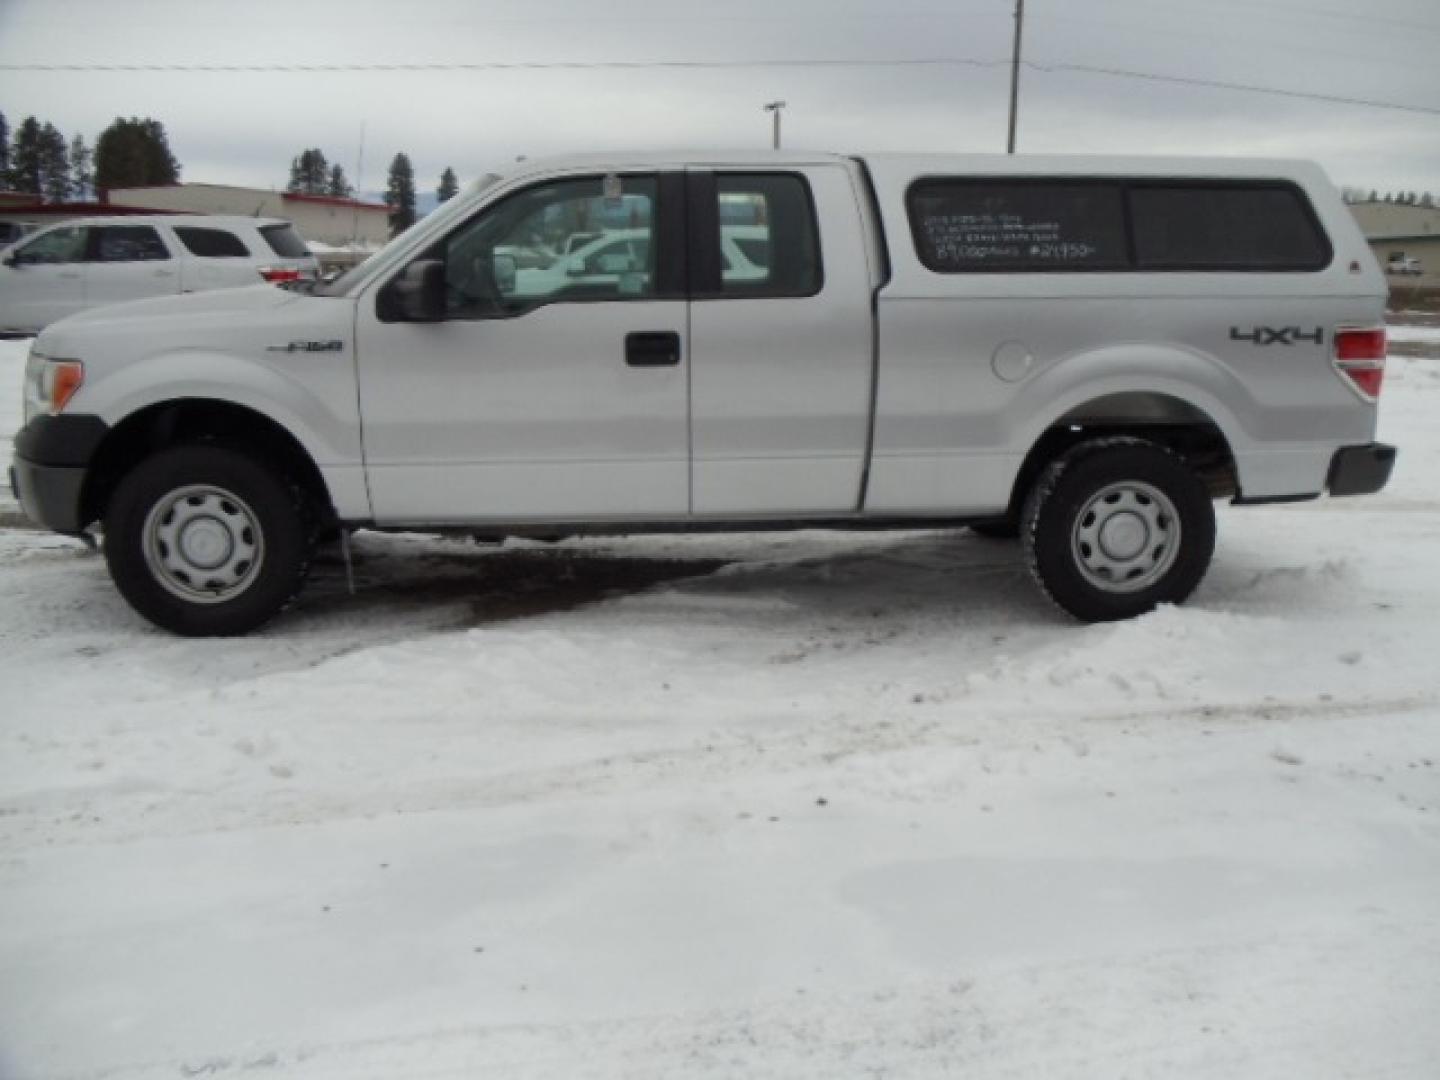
{"x": 50, "y": 384}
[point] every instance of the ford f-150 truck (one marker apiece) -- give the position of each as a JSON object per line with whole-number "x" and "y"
{"x": 1084, "y": 351}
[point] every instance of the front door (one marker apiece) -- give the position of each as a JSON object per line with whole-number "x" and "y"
{"x": 555, "y": 386}
{"x": 45, "y": 280}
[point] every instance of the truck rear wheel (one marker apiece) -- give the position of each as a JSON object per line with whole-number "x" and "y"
{"x": 1117, "y": 526}
{"x": 205, "y": 541}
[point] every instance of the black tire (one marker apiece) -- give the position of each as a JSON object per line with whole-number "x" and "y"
{"x": 1117, "y": 526}
{"x": 175, "y": 513}
{"x": 1001, "y": 529}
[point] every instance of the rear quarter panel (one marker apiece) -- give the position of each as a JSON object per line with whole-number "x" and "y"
{"x": 975, "y": 367}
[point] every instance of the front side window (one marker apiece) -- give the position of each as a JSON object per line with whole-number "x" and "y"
{"x": 970, "y": 226}
{"x": 126, "y": 243}
{"x": 769, "y": 245}
{"x": 562, "y": 241}
{"x": 63, "y": 245}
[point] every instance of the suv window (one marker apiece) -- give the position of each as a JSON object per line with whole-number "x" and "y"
{"x": 126, "y": 243}
{"x": 212, "y": 243}
{"x": 565, "y": 240}
{"x": 63, "y": 245}
{"x": 769, "y": 242}
{"x": 284, "y": 241}
{"x": 962, "y": 225}
{"x": 1231, "y": 226}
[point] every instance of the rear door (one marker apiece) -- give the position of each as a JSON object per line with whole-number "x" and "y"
{"x": 128, "y": 262}
{"x": 781, "y": 341}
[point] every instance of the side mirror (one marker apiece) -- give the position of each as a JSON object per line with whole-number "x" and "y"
{"x": 574, "y": 267}
{"x": 504, "y": 267}
{"x": 417, "y": 295}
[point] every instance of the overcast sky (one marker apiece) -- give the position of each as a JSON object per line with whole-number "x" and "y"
{"x": 245, "y": 127}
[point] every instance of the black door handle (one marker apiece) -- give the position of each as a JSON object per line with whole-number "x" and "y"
{"x": 652, "y": 348}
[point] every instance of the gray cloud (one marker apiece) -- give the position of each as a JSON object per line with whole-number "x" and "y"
{"x": 244, "y": 127}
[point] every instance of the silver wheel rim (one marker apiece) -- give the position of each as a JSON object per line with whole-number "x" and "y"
{"x": 1127, "y": 537}
{"x": 203, "y": 544}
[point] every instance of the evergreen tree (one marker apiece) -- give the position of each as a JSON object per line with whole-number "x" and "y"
{"x": 449, "y": 185}
{"x": 27, "y": 165}
{"x": 337, "y": 185}
{"x": 55, "y": 165}
{"x": 82, "y": 176}
{"x": 4, "y": 152}
{"x": 134, "y": 153}
{"x": 1427, "y": 200}
{"x": 1374, "y": 196}
{"x": 309, "y": 173}
{"x": 400, "y": 194}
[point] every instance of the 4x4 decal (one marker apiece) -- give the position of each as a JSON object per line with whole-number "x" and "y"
{"x": 1285, "y": 335}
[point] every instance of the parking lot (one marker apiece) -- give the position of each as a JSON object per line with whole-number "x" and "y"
{"x": 798, "y": 805}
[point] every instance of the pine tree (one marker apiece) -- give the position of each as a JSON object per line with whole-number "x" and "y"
{"x": 309, "y": 173}
{"x": 82, "y": 177}
{"x": 4, "y": 152}
{"x": 55, "y": 165}
{"x": 297, "y": 175}
{"x": 449, "y": 185}
{"x": 400, "y": 194}
{"x": 1374, "y": 196}
{"x": 27, "y": 167}
{"x": 1427, "y": 200}
{"x": 337, "y": 185}
{"x": 134, "y": 153}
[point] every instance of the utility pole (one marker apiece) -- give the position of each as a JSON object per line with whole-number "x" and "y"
{"x": 1015, "y": 73}
{"x": 773, "y": 108}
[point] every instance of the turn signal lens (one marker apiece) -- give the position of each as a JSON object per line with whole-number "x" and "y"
{"x": 60, "y": 381}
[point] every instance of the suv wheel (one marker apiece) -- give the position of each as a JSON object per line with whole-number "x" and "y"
{"x": 1117, "y": 526}
{"x": 205, "y": 541}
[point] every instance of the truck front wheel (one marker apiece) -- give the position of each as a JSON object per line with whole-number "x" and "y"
{"x": 205, "y": 541}
{"x": 1117, "y": 526}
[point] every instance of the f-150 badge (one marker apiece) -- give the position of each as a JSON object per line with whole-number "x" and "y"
{"x": 308, "y": 346}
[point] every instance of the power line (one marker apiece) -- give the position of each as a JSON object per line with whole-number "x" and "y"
{"x": 720, "y": 65}
{"x": 1249, "y": 88}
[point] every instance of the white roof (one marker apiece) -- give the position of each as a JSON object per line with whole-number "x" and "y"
{"x": 232, "y": 221}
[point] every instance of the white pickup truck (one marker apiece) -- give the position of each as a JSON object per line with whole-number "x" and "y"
{"x": 1084, "y": 351}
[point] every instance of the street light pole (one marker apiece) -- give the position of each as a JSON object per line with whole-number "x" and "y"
{"x": 773, "y": 108}
{"x": 1015, "y": 73}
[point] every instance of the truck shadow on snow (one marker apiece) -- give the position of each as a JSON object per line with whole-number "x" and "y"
{"x": 940, "y": 574}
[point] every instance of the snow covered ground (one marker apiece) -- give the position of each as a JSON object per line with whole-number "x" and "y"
{"x": 797, "y": 806}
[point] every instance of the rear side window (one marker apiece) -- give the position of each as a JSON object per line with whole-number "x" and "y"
{"x": 284, "y": 241}
{"x": 126, "y": 243}
{"x": 1225, "y": 227}
{"x": 994, "y": 225}
{"x": 968, "y": 226}
{"x": 212, "y": 243}
{"x": 769, "y": 243}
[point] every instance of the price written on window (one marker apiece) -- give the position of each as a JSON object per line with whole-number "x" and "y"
{"x": 1001, "y": 237}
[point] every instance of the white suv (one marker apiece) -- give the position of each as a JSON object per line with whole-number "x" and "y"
{"x": 87, "y": 262}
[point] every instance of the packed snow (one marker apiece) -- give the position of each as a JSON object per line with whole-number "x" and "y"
{"x": 810, "y": 805}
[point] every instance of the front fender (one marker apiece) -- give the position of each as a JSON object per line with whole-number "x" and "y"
{"x": 319, "y": 410}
